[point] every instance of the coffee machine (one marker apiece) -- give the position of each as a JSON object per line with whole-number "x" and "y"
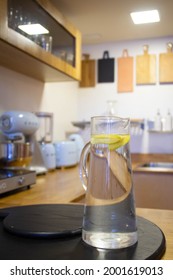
{"x": 17, "y": 149}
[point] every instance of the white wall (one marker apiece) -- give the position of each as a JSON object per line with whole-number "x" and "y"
{"x": 70, "y": 103}
{"x": 19, "y": 92}
{"x": 143, "y": 102}
{"x": 61, "y": 99}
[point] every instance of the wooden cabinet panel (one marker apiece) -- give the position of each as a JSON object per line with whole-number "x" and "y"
{"x": 23, "y": 55}
{"x": 153, "y": 190}
{"x": 87, "y": 72}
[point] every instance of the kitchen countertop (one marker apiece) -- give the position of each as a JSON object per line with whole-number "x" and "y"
{"x": 58, "y": 186}
{"x": 164, "y": 220}
{"x": 153, "y": 170}
{"x": 64, "y": 186}
{"x": 139, "y": 159}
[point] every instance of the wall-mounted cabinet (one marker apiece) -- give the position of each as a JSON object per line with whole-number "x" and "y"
{"x": 54, "y": 55}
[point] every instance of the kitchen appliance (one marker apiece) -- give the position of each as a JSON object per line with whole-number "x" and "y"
{"x": 37, "y": 162}
{"x": 16, "y": 149}
{"x": 79, "y": 143}
{"x": 18, "y": 123}
{"x": 18, "y": 128}
{"x": 84, "y": 129}
{"x": 49, "y": 157}
{"x": 19, "y": 148}
{"x": 44, "y": 136}
{"x": 66, "y": 153}
{"x": 12, "y": 179}
{"x": 15, "y": 154}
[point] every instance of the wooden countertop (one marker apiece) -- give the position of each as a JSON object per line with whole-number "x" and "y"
{"x": 151, "y": 169}
{"x": 64, "y": 186}
{"x": 139, "y": 159}
{"x": 164, "y": 220}
{"x": 59, "y": 186}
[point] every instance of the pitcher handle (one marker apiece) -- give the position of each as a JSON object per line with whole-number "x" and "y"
{"x": 83, "y": 170}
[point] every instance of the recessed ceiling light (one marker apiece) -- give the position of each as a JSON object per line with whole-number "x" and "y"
{"x": 33, "y": 29}
{"x": 145, "y": 17}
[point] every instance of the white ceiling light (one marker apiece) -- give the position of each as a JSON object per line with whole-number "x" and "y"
{"x": 145, "y": 17}
{"x": 33, "y": 29}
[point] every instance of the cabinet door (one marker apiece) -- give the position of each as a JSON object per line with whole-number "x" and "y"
{"x": 153, "y": 190}
{"x": 57, "y": 47}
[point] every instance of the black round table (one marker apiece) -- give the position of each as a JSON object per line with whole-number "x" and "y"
{"x": 53, "y": 231}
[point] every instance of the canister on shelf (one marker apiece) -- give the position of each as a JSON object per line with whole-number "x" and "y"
{"x": 158, "y": 121}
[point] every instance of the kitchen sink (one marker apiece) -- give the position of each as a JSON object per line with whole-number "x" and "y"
{"x": 157, "y": 165}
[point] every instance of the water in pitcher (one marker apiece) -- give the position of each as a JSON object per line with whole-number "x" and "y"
{"x": 109, "y": 217}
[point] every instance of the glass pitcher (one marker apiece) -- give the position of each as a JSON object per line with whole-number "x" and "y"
{"x": 109, "y": 219}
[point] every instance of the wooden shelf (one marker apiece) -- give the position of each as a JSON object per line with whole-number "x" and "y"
{"x": 160, "y": 131}
{"x": 22, "y": 55}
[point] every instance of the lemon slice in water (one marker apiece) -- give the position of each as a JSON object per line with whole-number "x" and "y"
{"x": 114, "y": 141}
